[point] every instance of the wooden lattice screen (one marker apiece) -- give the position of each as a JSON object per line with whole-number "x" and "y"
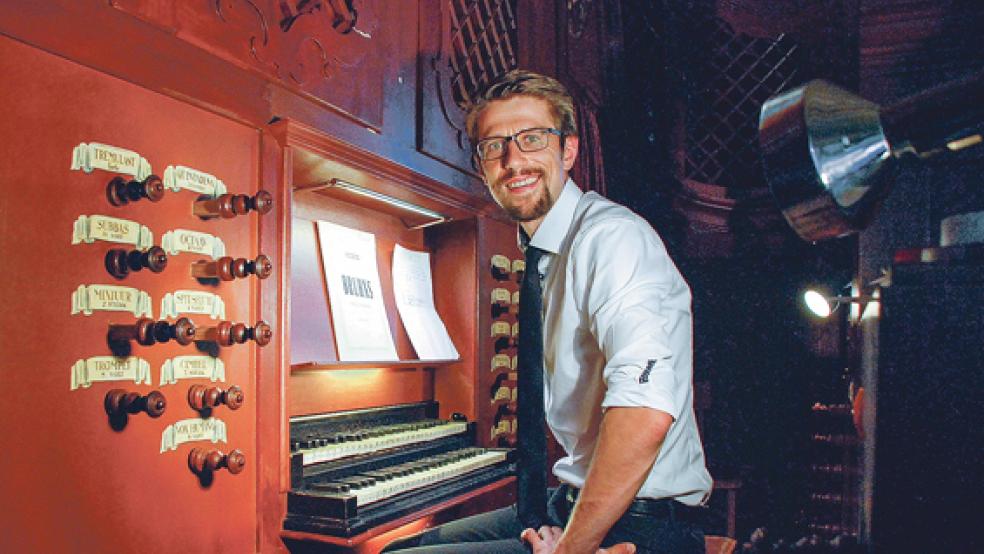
{"x": 483, "y": 42}
{"x": 739, "y": 73}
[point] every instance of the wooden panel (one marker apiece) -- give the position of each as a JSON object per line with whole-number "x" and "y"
{"x": 272, "y": 465}
{"x": 442, "y": 121}
{"x": 321, "y": 50}
{"x": 321, "y": 391}
{"x": 78, "y": 484}
{"x": 312, "y": 340}
{"x": 454, "y": 267}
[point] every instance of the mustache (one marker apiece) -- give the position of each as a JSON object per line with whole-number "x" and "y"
{"x": 513, "y": 173}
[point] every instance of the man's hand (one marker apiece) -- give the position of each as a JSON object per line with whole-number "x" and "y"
{"x": 546, "y": 540}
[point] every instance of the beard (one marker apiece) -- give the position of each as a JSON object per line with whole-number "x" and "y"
{"x": 541, "y": 205}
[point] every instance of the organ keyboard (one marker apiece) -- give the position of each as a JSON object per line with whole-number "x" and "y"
{"x": 351, "y": 471}
{"x": 332, "y": 446}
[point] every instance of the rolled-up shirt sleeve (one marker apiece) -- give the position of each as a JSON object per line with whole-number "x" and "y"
{"x": 638, "y": 306}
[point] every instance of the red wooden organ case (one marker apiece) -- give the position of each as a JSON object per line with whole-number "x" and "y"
{"x": 165, "y": 317}
{"x": 165, "y": 321}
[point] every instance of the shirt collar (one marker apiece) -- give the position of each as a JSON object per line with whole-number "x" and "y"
{"x": 550, "y": 234}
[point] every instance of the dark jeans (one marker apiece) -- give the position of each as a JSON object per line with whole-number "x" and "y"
{"x": 497, "y": 532}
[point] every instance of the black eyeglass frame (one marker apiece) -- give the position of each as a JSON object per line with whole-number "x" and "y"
{"x": 512, "y": 138}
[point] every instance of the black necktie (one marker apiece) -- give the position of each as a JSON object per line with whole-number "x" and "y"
{"x": 531, "y": 439}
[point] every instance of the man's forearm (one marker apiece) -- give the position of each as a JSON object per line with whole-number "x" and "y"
{"x": 628, "y": 444}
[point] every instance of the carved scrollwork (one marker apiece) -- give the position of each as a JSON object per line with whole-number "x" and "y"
{"x": 312, "y": 63}
{"x": 341, "y": 13}
{"x": 308, "y": 42}
{"x": 248, "y": 17}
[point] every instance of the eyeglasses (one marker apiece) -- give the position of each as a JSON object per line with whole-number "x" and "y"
{"x": 527, "y": 140}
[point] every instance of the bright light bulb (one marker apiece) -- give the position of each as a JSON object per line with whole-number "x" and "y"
{"x": 817, "y": 303}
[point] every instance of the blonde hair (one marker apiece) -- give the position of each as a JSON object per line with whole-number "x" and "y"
{"x": 519, "y": 82}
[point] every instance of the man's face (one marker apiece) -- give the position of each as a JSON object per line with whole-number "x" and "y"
{"x": 525, "y": 184}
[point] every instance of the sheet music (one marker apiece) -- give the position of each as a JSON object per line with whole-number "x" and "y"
{"x": 414, "y": 292}
{"x": 362, "y": 331}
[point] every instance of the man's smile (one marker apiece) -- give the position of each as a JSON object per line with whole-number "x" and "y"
{"x": 522, "y": 183}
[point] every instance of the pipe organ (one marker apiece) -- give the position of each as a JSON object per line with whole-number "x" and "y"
{"x": 164, "y": 169}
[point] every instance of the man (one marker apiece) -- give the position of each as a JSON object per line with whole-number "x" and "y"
{"x": 617, "y": 348}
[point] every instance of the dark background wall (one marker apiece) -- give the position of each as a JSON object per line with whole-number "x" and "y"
{"x": 668, "y": 109}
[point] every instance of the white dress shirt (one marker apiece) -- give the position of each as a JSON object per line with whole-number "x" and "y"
{"x": 617, "y": 331}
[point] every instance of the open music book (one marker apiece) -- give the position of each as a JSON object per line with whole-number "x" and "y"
{"x": 358, "y": 315}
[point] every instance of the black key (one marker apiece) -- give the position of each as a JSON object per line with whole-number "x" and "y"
{"x": 331, "y": 487}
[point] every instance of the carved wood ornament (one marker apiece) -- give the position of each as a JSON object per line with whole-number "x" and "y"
{"x": 305, "y": 41}
{"x": 308, "y": 46}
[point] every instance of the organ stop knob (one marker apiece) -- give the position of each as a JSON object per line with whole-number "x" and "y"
{"x": 146, "y": 331}
{"x": 119, "y": 402}
{"x": 230, "y": 205}
{"x": 227, "y": 268}
{"x": 203, "y": 461}
{"x": 499, "y": 310}
{"x": 201, "y": 397}
{"x": 120, "y": 262}
{"x": 227, "y": 333}
{"x": 504, "y": 343}
{"x": 120, "y": 192}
